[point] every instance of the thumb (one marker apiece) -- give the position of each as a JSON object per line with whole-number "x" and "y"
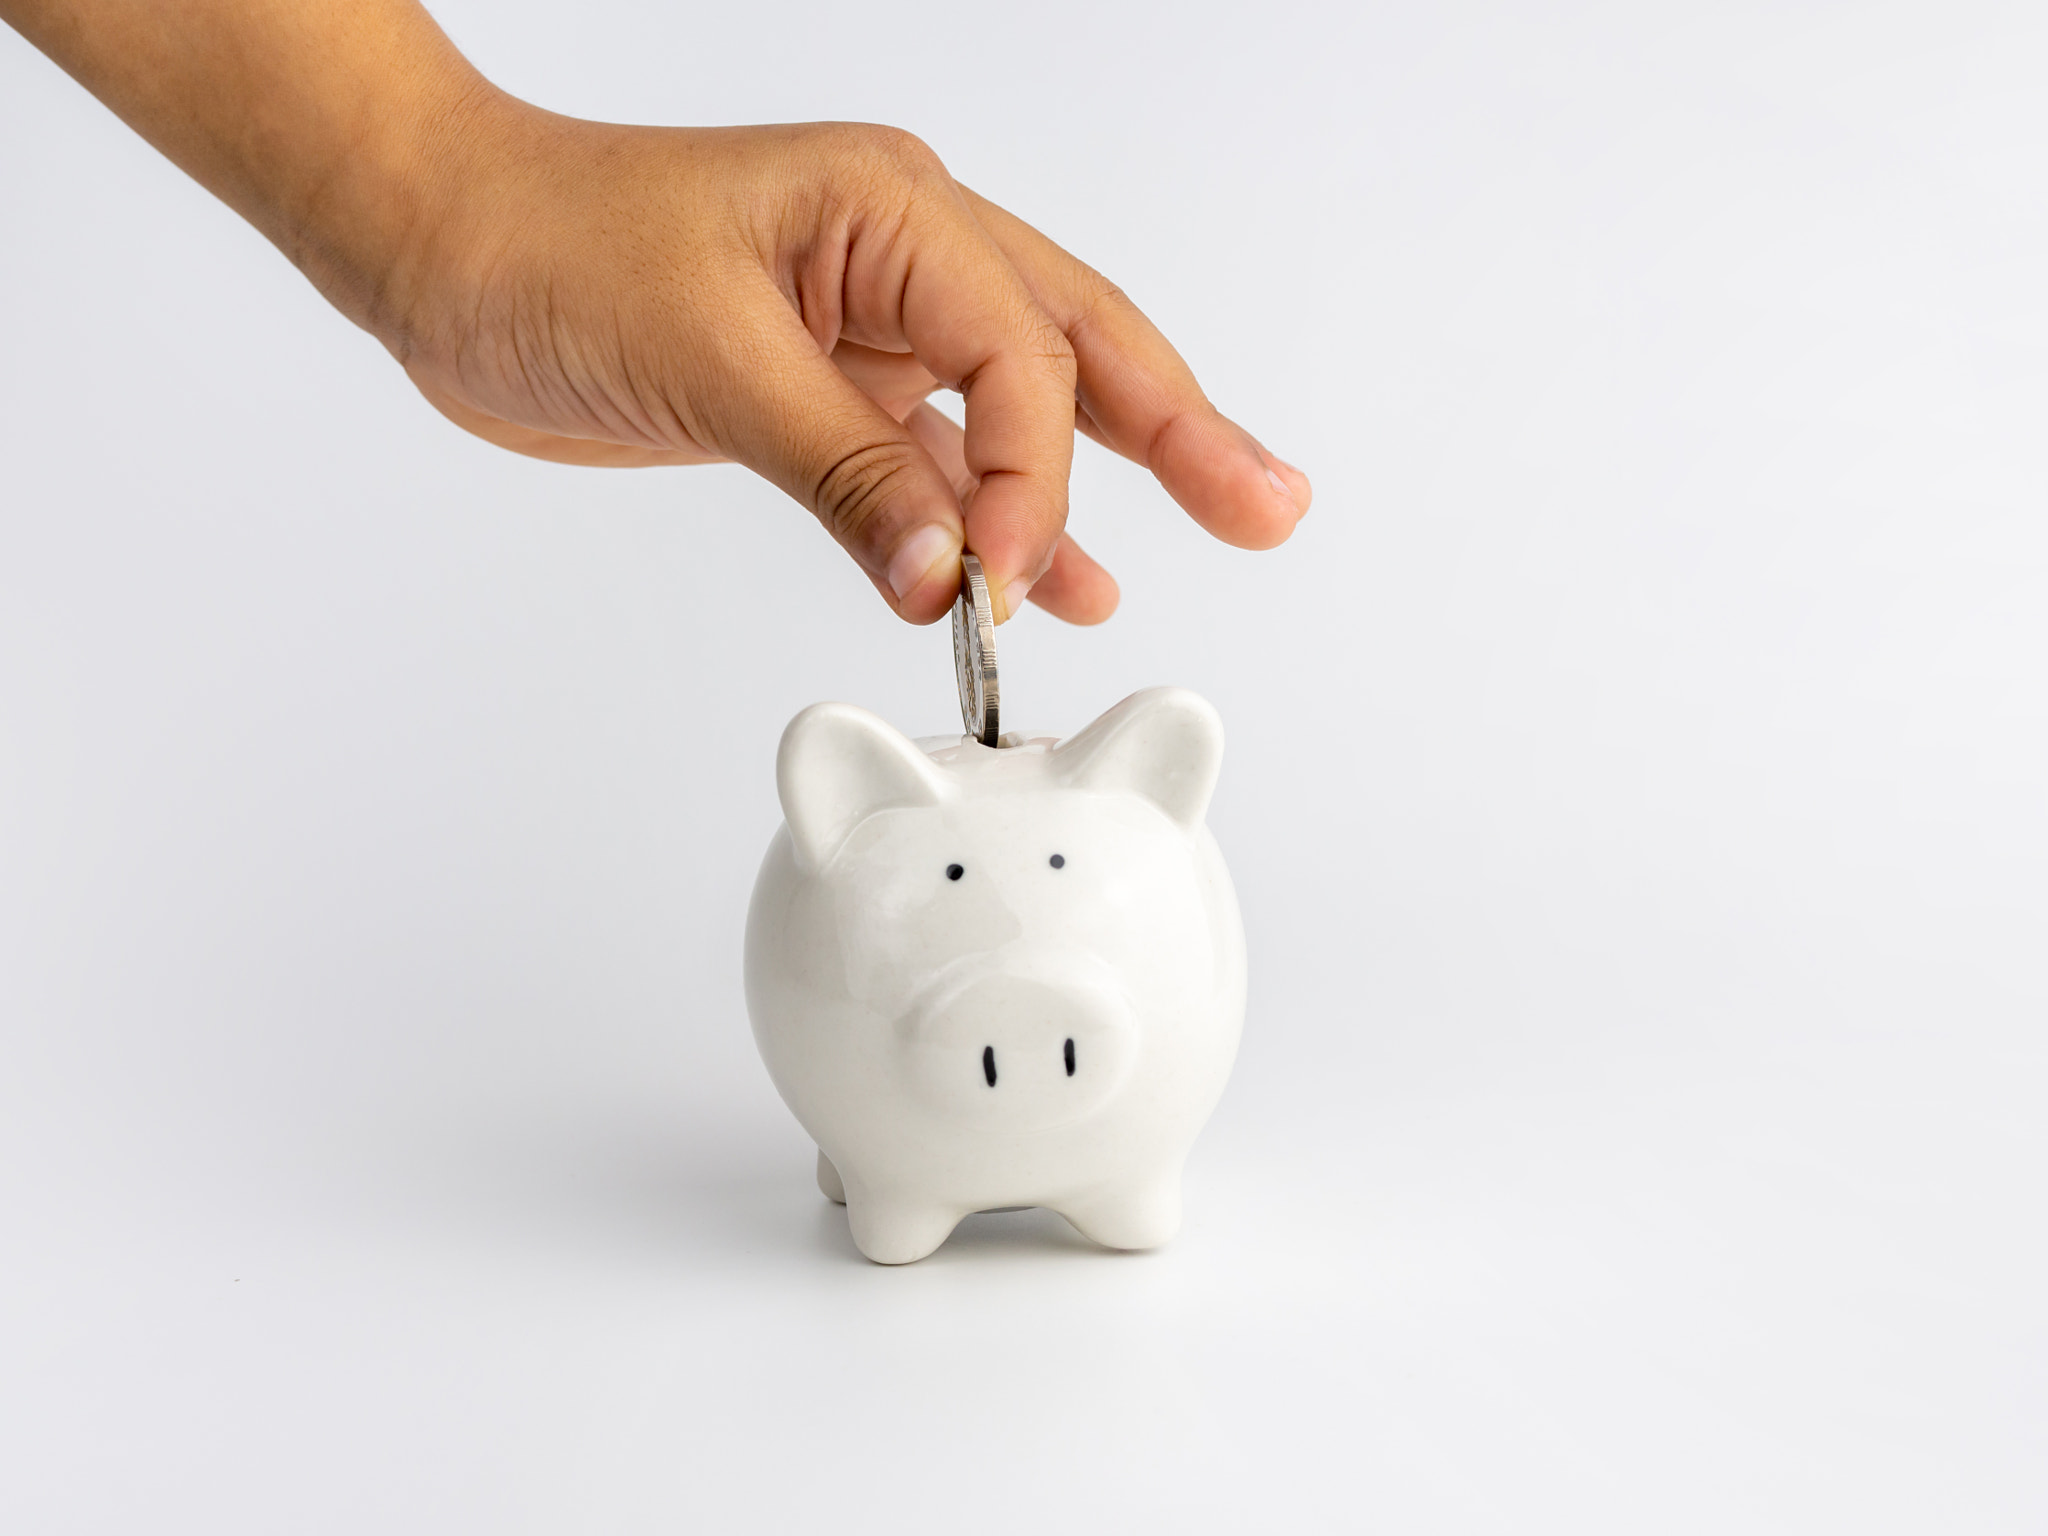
{"x": 786, "y": 411}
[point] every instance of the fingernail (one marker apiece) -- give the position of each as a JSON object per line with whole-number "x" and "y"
{"x": 1294, "y": 503}
{"x": 916, "y": 555}
{"x": 1014, "y": 595}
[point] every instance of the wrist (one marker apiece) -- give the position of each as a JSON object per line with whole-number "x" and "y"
{"x": 369, "y": 217}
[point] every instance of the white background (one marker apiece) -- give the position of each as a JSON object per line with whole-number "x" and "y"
{"x": 1638, "y": 794}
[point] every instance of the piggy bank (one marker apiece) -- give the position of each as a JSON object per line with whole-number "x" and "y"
{"x": 989, "y": 977}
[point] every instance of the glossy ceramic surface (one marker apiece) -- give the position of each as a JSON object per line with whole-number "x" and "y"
{"x": 986, "y": 977}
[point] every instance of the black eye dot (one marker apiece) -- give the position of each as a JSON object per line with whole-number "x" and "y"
{"x": 1059, "y": 861}
{"x": 954, "y": 871}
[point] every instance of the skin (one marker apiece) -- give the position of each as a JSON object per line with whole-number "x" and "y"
{"x": 783, "y": 297}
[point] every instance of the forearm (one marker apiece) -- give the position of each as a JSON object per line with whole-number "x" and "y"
{"x": 785, "y": 297}
{"x": 327, "y": 125}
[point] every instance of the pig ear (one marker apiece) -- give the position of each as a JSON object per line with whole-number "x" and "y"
{"x": 838, "y": 765}
{"x": 1164, "y": 743}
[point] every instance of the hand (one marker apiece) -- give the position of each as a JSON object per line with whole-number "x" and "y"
{"x": 786, "y": 297}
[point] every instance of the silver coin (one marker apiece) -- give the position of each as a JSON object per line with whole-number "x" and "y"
{"x": 974, "y": 654}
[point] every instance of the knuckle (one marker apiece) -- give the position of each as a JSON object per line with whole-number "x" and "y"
{"x": 1054, "y": 349}
{"x": 858, "y": 488}
{"x": 1101, "y": 301}
{"x": 1033, "y": 340}
{"x": 910, "y": 154}
{"x": 894, "y": 152}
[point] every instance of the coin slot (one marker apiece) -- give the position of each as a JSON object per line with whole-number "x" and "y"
{"x": 988, "y": 1062}
{"x": 954, "y": 871}
{"x": 1070, "y": 1058}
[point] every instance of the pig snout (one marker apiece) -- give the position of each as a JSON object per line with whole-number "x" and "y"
{"x": 1022, "y": 1050}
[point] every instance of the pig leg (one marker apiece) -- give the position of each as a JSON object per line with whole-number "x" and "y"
{"x": 1136, "y": 1215}
{"x": 829, "y": 1184}
{"x": 896, "y": 1231}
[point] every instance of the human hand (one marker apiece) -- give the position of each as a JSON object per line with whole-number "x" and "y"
{"x": 783, "y": 297}
{"x": 787, "y": 298}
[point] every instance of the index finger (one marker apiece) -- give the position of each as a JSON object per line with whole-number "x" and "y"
{"x": 972, "y": 321}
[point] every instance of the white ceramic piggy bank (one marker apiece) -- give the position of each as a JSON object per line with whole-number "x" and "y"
{"x": 988, "y": 977}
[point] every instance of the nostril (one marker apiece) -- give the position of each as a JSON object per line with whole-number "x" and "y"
{"x": 988, "y": 1062}
{"x": 1070, "y": 1058}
